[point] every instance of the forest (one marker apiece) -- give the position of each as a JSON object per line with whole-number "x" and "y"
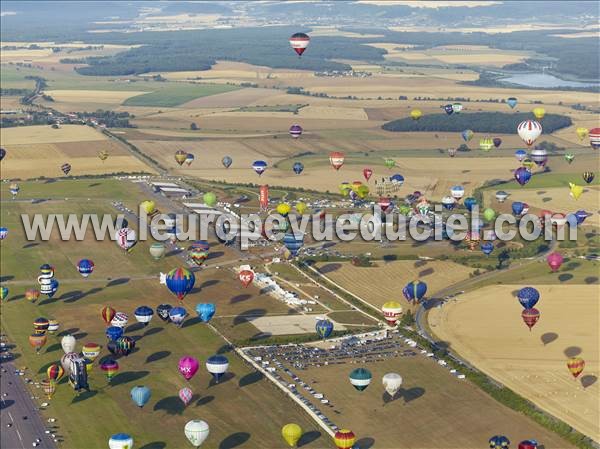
{"x": 482, "y": 122}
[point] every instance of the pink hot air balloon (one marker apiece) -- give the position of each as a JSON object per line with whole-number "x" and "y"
{"x": 186, "y": 394}
{"x": 188, "y": 367}
{"x": 555, "y": 260}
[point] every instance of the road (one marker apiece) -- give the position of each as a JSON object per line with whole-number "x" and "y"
{"x": 14, "y": 406}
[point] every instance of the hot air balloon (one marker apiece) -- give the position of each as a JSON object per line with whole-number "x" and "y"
{"x": 205, "y": 311}
{"x": 107, "y": 313}
{"x": 2, "y": 153}
{"x": 336, "y": 159}
{"x": 298, "y": 167}
{"x": 180, "y": 282}
{"x": 259, "y": 167}
{"x": 198, "y": 251}
{"x": 529, "y": 131}
{"x": 162, "y": 310}
{"x": 448, "y": 202}
{"x": 299, "y": 42}
{"x": 324, "y": 328}
{"x": 554, "y": 260}
{"x": 85, "y": 267}
{"x": 457, "y": 192}
{"x": 487, "y": 248}
{"x": 113, "y": 332}
{"x": 246, "y": 277}
{"x": 55, "y": 372}
{"x": 520, "y": 155}
{"x": 522, "y": 175}
{"x": 528, "y": 297}
{"x": 180, "y": 156}
{"x": 126, "y": 238}
{"x": 188, "y": 367}
{"x": 575, "y": 365}
{"x": 467, "y": 135}
{"x": 140, "y": 395}
{"x": 186, "y": 394}
{"x": 148, "y": 207}
{"x": 486, "y": 144}
{"x": 497, "y": 141}
{"x": 344, "y": 439}
{"x": 291, "y": 434}
{"x": 226, "y": 161}
{"x": 189, "y": 158}
{"x": 470, "y": 203}
{"x": 283, "y": 209}
{"x": 448, "y": 109}
{"x": 472, "y": 238}
{"x": 499, "y": 442}
{"x": 539, "y": 112}
{"x": 103, "y": 155}
{"x": 3, "y": 293}
{"x": 414, "y": 291}
{"x": 295, "y": 131}
{"x": 416, "y": 114}
{"x": 501, "y": 196}
{"x": 539, "y": 156}
{"x": 528, "y": 163}
{"x": 177, "y": 315}
{"x": 120, "y": 441}
{"x": 489, "y": 214}
{"x": 301, "y": 207}
{"x": 582, "y": 133}
{"x": 569, "y": 157}
{"x": 157, "y": 250}
{"x": 197, "y": 430}
{"x": 391, "y": 312}
{"x": 120, "y": 320}
{"x": 452, "y": 152}
{"x": 3, "y": 233}
{"x": 14, "y": 189}
{"x": 389, "y": 163}
{"x": 512, "y": 102}
{"x": 32, "y": 294}
{"x": 91, "y": 351}
{"x": 48, "y": 387}
{"x": 528, "y": 444}
{"x": 143, "y": 314}
{"x": 530, "y": 317}
{"x": 37, "y": 341}
{"x": 217, "y": 365}
{"x": 293, "y": 242}
{"x": 457, "y": 107}
{"x": 575, "y": 190}
{"x": 68, "y": 343}
{"x": 392, "y": 383}
{"x": 40, "y": 325}
{"x": 360, "y": 378}
{"x": 588, "y": 176}
{"x": 66, "y": 168}
{"x": 367, "y": 173}
{"x": 517, "y": 207}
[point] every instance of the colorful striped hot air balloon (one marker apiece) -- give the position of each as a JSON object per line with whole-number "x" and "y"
{"x": 344, "y": 439}
{"x": 576, "y": 365}
{"x": 530, "y": 317}
{"x": 588, "y": 176}
{"x": 198, "y": 251}
{"x": 37, "y": 341}
{"x": 336, "y": 159}
{"x": 107, "y": 313}
{"x": 259, "y": 167}
{"x": 486, "y": 144}
{"x": 360, "y": 378}
{"x": 110, "y": 368}
{"x": 91, "y": 351}
{"x": 180, "y": 282}
{"x": 295, "y": 131}
{"x": 391, "y": 312}
{"x": 66, "y": 168}
{"x": 595, "y": 138}
{"x": 299, "y": 42}
{"x": 180, "y": 156}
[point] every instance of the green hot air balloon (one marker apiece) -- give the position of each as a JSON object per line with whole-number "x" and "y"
{"x": 360, "y": 378}
{"x": 489, "y": 214}
{"x": 210, "y": 199}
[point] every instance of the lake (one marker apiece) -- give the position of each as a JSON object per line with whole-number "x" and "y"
{"x": 544, "y": 80}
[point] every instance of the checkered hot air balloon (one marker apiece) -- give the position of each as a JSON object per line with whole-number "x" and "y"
{"x": 186, "y": 394}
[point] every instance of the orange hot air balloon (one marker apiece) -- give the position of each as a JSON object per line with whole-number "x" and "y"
{"x": 108, "y": 313}
{"x": 336, "y": 159}
{"x": 344, "y": 439}
{"x": 37, "y": 341}
{"x": 575, "y": 365}
{"x": 32, "y": 294}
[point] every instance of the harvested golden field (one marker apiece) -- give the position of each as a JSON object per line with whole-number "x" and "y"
{"x": 485, "y": 327}
{"x": 47, "y": 55}
{"x": 25, "y": 135}
{"x": 76, "y": 97}
{"x": 384, "y": 281}
{"x": 233, "y": 99}
{"x": 334, "y": 31}
{"x": 10, "y": 103}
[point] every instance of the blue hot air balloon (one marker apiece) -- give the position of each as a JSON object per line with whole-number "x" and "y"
{"x": 3, "y": 233}
{"x": 517, "y": 207}
{"x": 528, "y": 297}
{"x": 114, "y": 332}
{"x": 259, "y": 167}
{"x": 140, "y": 395}
{"x": 522, "y": 175}
{"x": 397, "y": 179}
{"x": 470, "y": 202}
{"x": 487, "y": 248}
{"x": 85, "y": 267}
{"x": 298, "y": 167}
{"x": 449, "y": 109}
{"x": 581, "y": 215}
{"x": 227, "y": 161}
{"x": 180, "y": 281}
{"x": 143, "y": 314}
{"x": 520, "y": 155}
{"x": 162, "y": 310}
{"x": 512, "y": 102}
{"x": 324, "y": 328}
{"x": 217, "y": 365}
{"x": 205, "y": 311}
{"x": 293, "y": 242}
{"x": 177, "y": 315}
{"x": 120, "y": 441}
{"x": 415, "y": 290}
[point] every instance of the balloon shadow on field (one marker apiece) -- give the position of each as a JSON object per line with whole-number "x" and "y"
{"x": 215, "y": 255}
{"x": 118, "y": 281}
{"x": 6, "y": 278}
{"x": 130, "y": 376}
{"x": 30, "y": 245}
{"x": 44, "y": 368}
{"x": 234, "y": 440}
{"x": 80, "y": 335}
{"x": 173, "y": 252}
{"x": 191, "y": 321}
{"x": 152, "y": 331}
{"x": 426, "y": 272}
{"x": 209, "y": 283}
{"x": 54, "y": 347}
{"x": 224, "y": 349}
{"x": 591, "y": 280}
{"x": 572, "y": 351}
{"x": 173, "y": 405}
{"x": 224, "y": 378}
{"x": 308, "y": 437}
{"x": 159, "y": 355}
{"x": 565, "y": 277}
{"x": 248, "y": 315}
{"x": 411, "y": 394}
{"x": 261, "y": 336}
{"x": 15, "y": 298}
{"x": 588, "y": 380}
{"x": 549, "y": 337}
{"x": 134, "y": 327}
{"x": 251, "y": 378}
{"x": 76, "y": 295}
{"x": 365, "y": 443}
{"x": 154, "y": 445}
{"x": 204, "y": 400}
{"x": 330, "y": 267}
{"x": 69, "y": 331}
{"x": 239, "y": 298}
{"x": 83, "y": 396}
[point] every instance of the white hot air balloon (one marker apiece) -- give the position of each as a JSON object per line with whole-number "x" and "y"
{"x": 65, "y": 361}
{"x": 120, "y": 320}
{"x": 457, "y": 192}
{"x": 120, "y": 441}
{"x": 392, "y": 383}
{"x": 68, "y": 343}
{"x": 529, "y": 131}
{"x": 196, "y": 432}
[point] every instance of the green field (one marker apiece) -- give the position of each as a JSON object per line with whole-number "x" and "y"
{"x": 176, "y": 94}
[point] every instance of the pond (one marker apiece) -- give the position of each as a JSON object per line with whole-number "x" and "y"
{"x": 544, "y": 80}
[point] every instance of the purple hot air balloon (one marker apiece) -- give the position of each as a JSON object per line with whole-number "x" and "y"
{"x": 522, "y": 175}
{"x": 188, "y": 366}
{"x": 497, "y": 141}
{"x": 295, "y": 131}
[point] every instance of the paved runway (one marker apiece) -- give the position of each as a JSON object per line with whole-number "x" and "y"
{"x": 16, "y": 404}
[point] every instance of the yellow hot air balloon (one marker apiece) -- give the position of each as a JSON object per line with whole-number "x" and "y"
{"x": 486, "y": 144}
{"x": 291, "y": 433}
{"x": 148, "y": 206}
{"x": 283, "y": 209}
{"x": 301, "y": 207}
{"x": 103, "y": 155}
{"x": 582, "y": 133}
{"x": 416, "y": 114}
{"x": 576, "y": 190}
{"x": 528, "y": 163}
{"x": 539, "y": 113}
